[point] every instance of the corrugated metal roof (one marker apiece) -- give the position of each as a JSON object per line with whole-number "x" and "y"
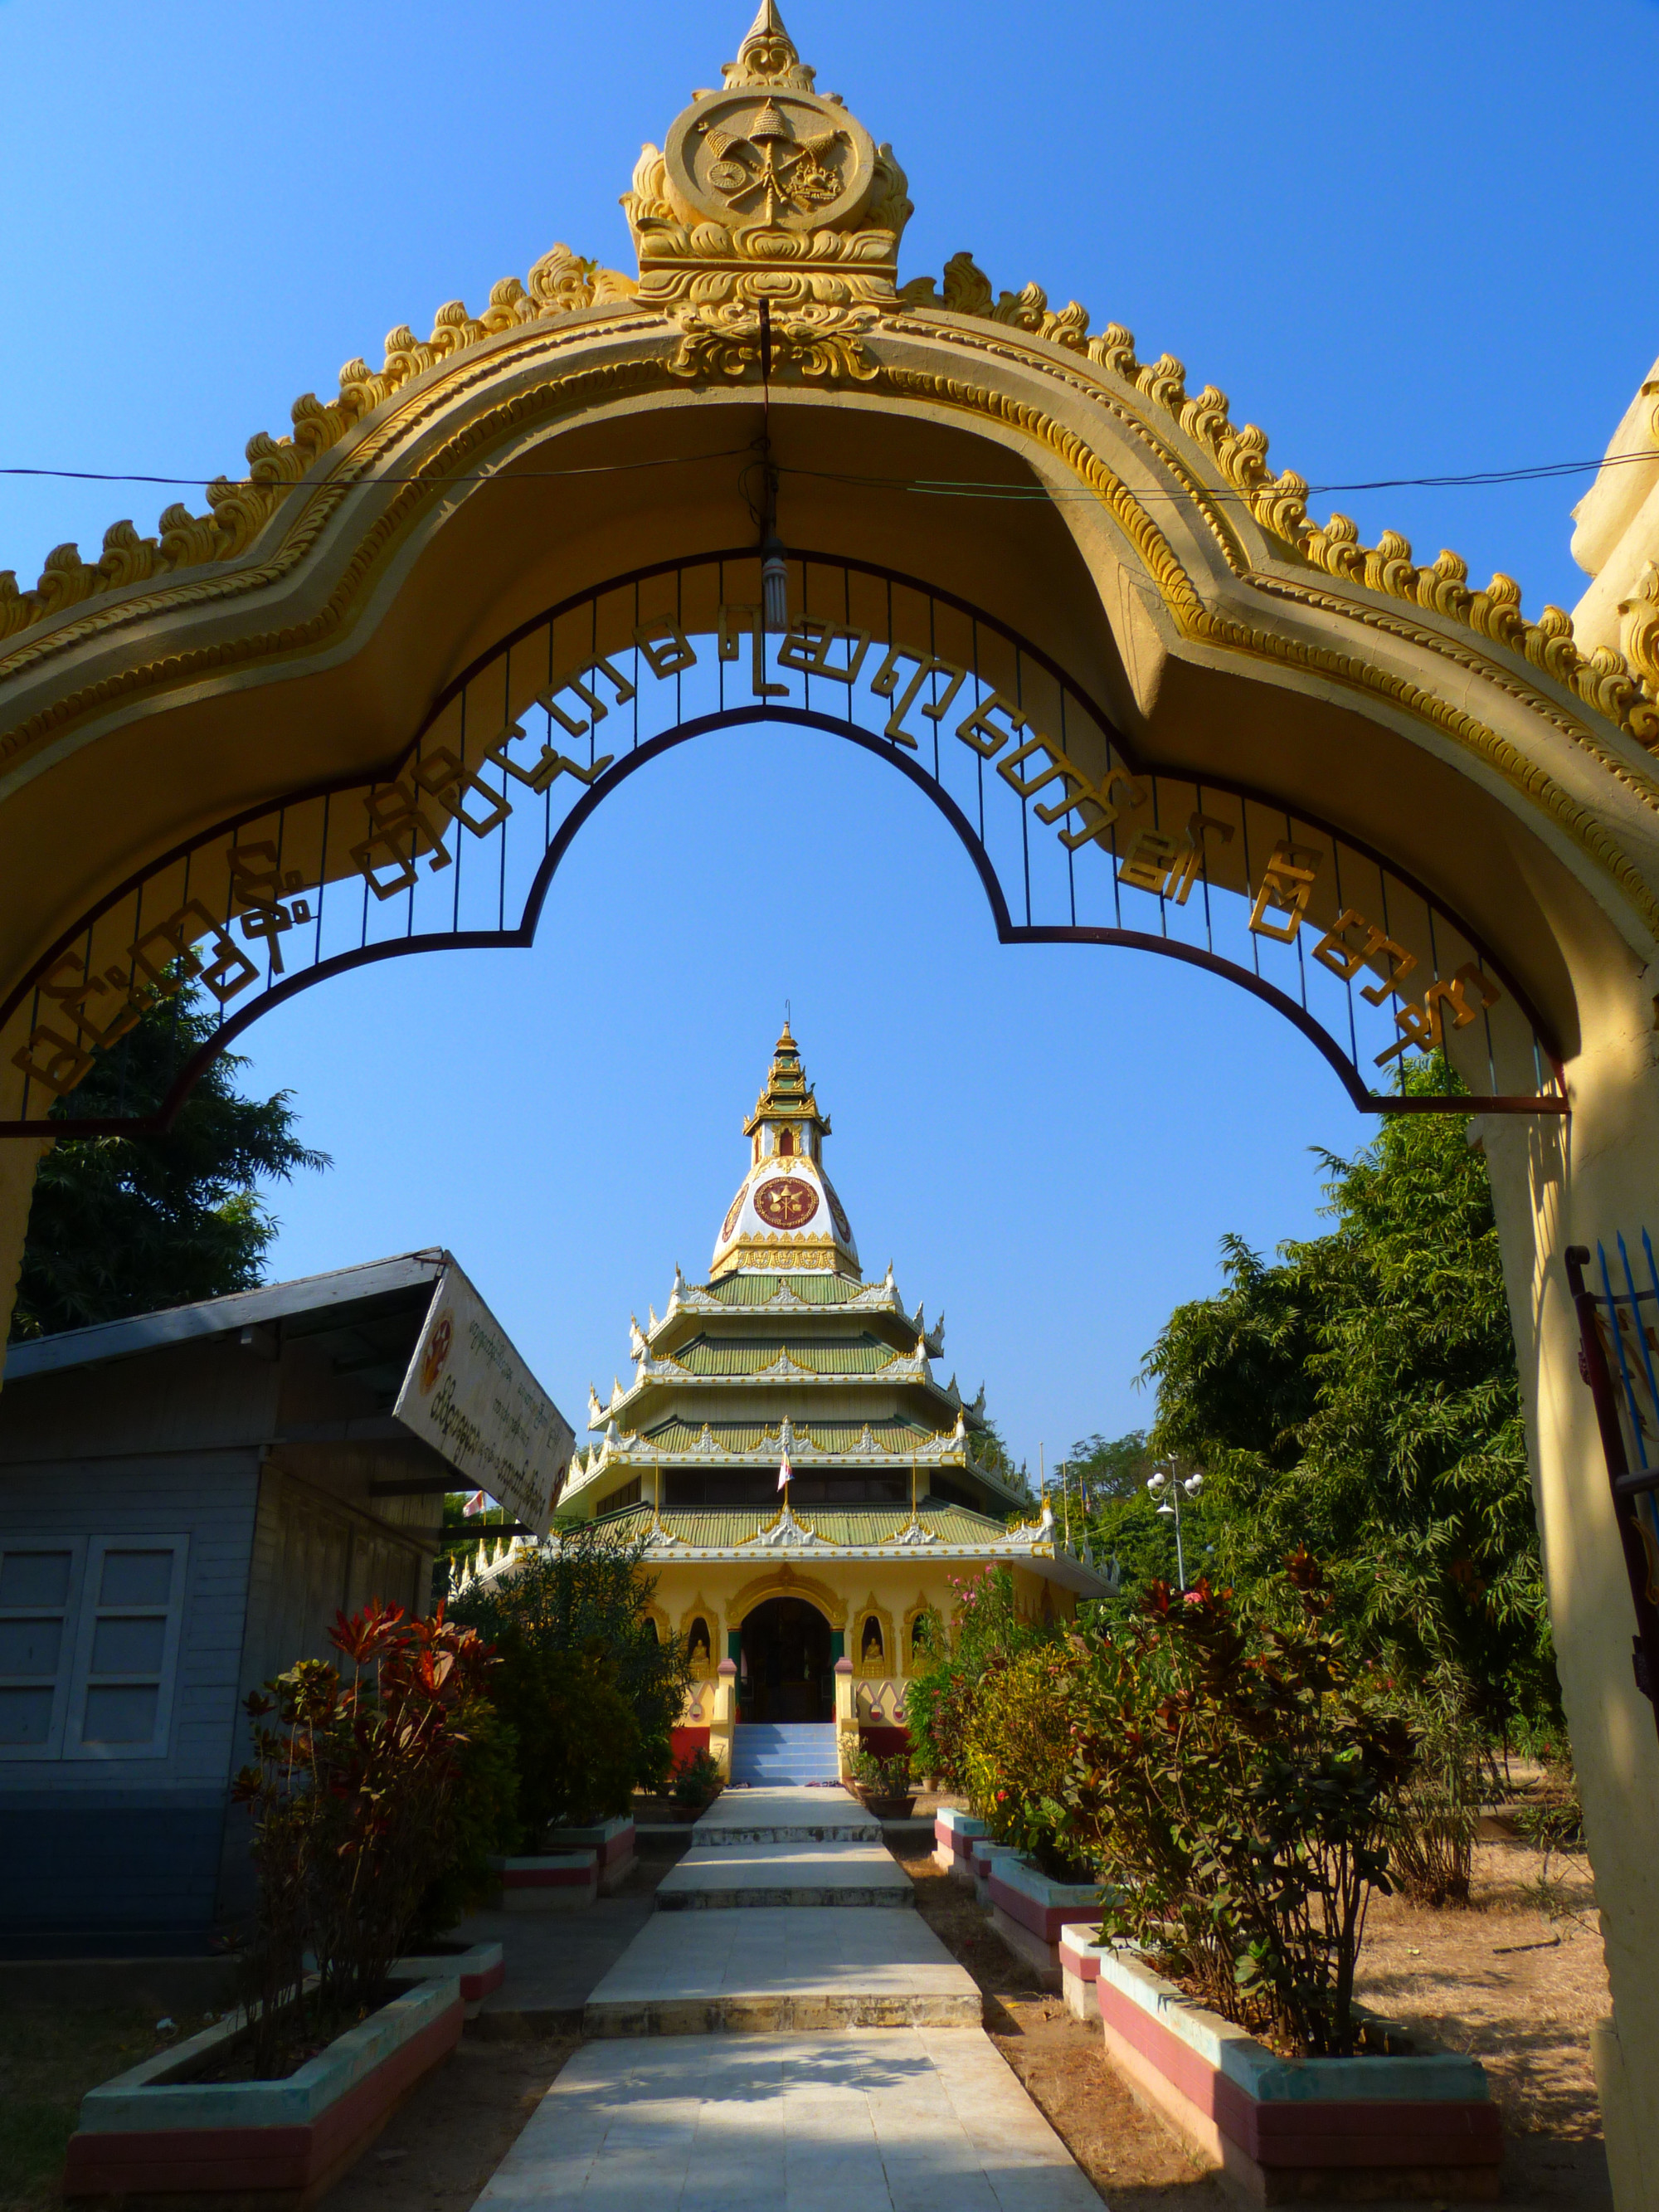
{"x": 810, "y": 1286}
{"x": 898, "y": 1437}
{"x": 240, "y": 1309}
{"x": 748, "y": 1355}
{"x": 722, "y": 1527}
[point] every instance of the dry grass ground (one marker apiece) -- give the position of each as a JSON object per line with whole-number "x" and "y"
{"x": 48, "y": 2061}
{"x": 437, "y": 2153}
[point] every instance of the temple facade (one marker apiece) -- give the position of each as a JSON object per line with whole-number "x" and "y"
{"x": 808, "y": 1490}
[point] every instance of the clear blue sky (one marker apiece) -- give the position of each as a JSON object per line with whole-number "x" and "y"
{"x": 1407, "y": 240}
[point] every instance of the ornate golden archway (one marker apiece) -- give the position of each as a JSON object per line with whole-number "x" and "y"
{"x": 766, "y": 372}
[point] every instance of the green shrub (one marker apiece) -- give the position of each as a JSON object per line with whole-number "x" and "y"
{"x": 697, "y": 1778}
{"x": 1436, "y": 1811}
{"x": 484, "y": 1824}
{"x": 987, "y": 1632}
{"x": 576, "y": 1735}
{"x": 579, "y": 1599}
{"x": 1232, "y": 1782}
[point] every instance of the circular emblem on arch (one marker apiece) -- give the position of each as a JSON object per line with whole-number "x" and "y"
{"x": 770, "y": 159}
{"x": 785, "y": 1204}
{"x": 730, "y": 1221}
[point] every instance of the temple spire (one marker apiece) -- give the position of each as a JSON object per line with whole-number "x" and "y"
{"x": 786, "y": 1095}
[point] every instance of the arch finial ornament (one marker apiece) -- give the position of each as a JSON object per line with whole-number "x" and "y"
{"x": 767, "y": 192}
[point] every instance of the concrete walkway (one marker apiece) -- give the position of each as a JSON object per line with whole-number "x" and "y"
{"x": 805, "y": 2057}
{"x": 806, "y": 1874}
{"x": 895, "y": 2120}
{"x": 798, "y": 1815}
{"x": 783, "y": 1967}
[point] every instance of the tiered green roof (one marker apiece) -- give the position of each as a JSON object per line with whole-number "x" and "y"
{"x": 787, "y": 1351}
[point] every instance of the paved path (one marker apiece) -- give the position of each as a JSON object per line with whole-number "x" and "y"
{"x": 893, "y": 2120}
{"x": 782, "y": 1967}
{"x": 802, "y": 2057}
{"x": 806, "y": 1874}
{"x": 785, "y": 1815}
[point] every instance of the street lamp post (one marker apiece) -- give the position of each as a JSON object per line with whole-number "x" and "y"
{"x": 1166, "y": 1484}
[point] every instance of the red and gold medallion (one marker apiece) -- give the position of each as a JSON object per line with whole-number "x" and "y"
{"x": 786, "y": 1204}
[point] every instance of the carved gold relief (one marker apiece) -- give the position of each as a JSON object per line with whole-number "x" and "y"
{"x": 768, "y": 191}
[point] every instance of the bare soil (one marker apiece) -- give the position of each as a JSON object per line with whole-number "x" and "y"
{"x": 1517, "y": 1979}
{"x": 439, "y": 2149}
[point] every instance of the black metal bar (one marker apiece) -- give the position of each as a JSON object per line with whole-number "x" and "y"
{"x": 1593, "y": 1366}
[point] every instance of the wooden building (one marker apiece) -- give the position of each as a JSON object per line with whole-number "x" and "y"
{"x": 186, "y": 1500}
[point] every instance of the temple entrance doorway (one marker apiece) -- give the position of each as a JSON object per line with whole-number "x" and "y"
{"x": 787, "y": 1672}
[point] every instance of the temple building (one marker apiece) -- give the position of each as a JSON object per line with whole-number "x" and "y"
{"x": 804, "y": 1604}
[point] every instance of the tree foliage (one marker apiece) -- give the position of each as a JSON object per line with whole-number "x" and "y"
{"x": 122, "y": 1225}
{"x": 1361, "y": 1397}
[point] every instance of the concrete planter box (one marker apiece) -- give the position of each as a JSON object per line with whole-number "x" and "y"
{"x": 614, "y": 1843}
{"x": 555, "y": 1881}
{"x": 981, "y": 1853}
{"x": 1419, "y": 2125}
{"x": 151, "y": 2138}
{"x": 1079, "y": 1967}
{"x": 1029, "y": 1912}
{"x": 478, "y": 1971}
{"x": 954, "y": 1834}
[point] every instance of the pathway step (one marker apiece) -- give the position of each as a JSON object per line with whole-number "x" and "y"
{"x": 781, "y": 1815}
{"x": 780, "y": 1968}
{"x": 758, "y": 1875}
{"x": 896, "y": 2123}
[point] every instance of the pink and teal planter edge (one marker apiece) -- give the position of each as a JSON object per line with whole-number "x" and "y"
{"x": 1419, "y": 2126}
{"x": 151, "y": 2133}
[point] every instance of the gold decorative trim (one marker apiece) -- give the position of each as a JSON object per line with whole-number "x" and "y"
{"x": 1276, "y": 504}
{"x": 1610, "y": 683}
{"x": 1195, "y": 620}
{"x": 566, "y": 394}
{"x": 787, "y": 1580}
{"x": 560, "y": 283}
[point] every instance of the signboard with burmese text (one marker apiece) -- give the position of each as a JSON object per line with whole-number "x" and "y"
{"x": 470, "y": 1394}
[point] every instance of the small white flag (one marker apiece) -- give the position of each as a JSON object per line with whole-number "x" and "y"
{"x": 785, "y": 1473}
{"x": 477, "y": 1504}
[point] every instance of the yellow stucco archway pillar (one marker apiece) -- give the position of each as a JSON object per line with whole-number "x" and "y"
{"x": 1552, "y": 1186}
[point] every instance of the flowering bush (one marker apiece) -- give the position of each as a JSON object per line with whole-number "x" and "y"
{"x": 1233, "y": 1782}
{"x": 353, "y": 1793}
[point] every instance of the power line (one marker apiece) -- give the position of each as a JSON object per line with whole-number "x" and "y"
{"x": 481, "y": 476}
{"x": 928, "y": 487}
{"x": 969, "y": 487}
